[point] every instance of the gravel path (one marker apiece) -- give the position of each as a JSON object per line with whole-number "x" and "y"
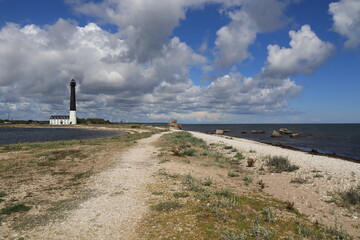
{"x": 120, "y": 200}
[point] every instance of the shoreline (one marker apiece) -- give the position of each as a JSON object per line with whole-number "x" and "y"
{"x": 313, "y": 151}
{"x": 311, "y": 188}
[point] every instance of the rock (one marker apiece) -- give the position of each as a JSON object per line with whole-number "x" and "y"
{"x": 174, "y": 125}
{"x": 295, "y": 135}
{"x": 219, "y": 132}
{"x": 243, "y": 131}
{"x": 276, "y": 134}
{"x": 285, "y": 131}
{"x": 257, "y": 131}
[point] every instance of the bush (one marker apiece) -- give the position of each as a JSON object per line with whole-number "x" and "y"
{"x": 189, "y": 152}
{"x": 280, "y": 164}
{"x": 351, "y": 196}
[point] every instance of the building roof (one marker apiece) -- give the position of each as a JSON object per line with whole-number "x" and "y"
{"x": 59, "y": 117}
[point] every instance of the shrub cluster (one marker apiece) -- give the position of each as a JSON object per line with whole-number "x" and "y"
{"x": 280, "y": 164}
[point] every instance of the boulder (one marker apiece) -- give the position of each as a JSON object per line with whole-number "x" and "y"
{"x": 295, "y": 135}
{"x": 219, "y": 132}
{"x": 276, "y": 134}
{"x": 285, "y": 131}
{"x": 174, "y": 125}
{"x": 257, "y": 131}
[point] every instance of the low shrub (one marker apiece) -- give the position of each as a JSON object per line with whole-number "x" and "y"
{"x": 180, "y": 194}
{"x": 280, "y": 164}
{"x": 350, "y": 196}
{"x": 247, "y": 180}
{"x": 15, "y": 208}
{"x": 231, "y": 174}
{"x": 166, "y": 206}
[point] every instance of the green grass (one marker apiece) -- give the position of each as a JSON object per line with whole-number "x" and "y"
{"x": 166, "y": 206}
{"x": 247, "y": 180}
{"x": 231, "y": 174}
{"x": 239, "y": 156}
{"x": 208, "y": 182}
{"x": 179, "y": 138}
{"x": 280, "y": 164}
{"x": 180, "y": 194}
{"x": 15, "y": 208}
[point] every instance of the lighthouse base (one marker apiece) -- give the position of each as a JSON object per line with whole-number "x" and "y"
{"x": 72, "y": 117}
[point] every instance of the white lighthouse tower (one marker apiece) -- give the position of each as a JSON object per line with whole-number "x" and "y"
{"x": 72, "y": 116}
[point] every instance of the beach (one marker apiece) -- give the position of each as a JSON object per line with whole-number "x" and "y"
{"x": 113, "y": 189}
{"x": 331, "y": 175}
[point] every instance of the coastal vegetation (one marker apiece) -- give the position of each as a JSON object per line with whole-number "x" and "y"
{"x": 43, "y": 181}
{"x": 216, "y": 196}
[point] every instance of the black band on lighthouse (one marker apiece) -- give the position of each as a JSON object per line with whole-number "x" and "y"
{"x": 72, "y": 96}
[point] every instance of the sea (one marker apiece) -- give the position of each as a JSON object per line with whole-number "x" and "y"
{"x": 342, "y": 140}
{"x": 9, "y": 135}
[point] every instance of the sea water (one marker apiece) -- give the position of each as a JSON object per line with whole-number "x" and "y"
{"x": 10, "y": 135}
{"x": 342, "y": 139}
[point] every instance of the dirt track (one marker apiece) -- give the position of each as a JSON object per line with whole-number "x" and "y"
{"x": 119, "y": 202}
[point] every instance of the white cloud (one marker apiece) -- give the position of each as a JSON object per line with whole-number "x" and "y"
{"x": 254, "y": 16}
{"x": 306, "y": 53}
{"x": 346, "y": 17}
{"x": 234, "y": 39}
{"x": 140, "y": 73}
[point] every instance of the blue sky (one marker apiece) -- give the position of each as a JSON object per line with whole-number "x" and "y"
{"x": 200, "y": 61}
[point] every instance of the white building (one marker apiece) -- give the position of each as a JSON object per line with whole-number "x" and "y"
{"x": 59, "y": 120}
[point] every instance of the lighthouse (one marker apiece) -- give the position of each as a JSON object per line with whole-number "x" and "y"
{"x": 72, "y": 116}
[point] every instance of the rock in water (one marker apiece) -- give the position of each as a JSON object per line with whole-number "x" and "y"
{"x": 276, "y": 134}
{"x": 257, "y": 131}
{"x": 295, "y": 135}
{"x": 219, "y": 132}
{"x": 285, "y": 131}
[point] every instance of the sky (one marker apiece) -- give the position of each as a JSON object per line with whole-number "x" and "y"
{"x": 198, "y": 61}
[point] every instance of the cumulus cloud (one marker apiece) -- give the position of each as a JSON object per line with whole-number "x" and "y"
{"x": 234, "y": 39}
{"x": 36, "y": 66}
{"x": 144, "y": 25}
{"x": 346, "y": 17}
{"x": 253, "y": 17}
{"x": 140, "y": 72}
{"x": 306, "y": 53}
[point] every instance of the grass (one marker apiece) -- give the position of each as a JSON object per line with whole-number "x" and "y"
{"x": 15, "y": 208}
{"x": 208, "y": 182}
{"x": 280, "y": 164}
{"x": 349, "y": 197}
{"x": 232, "y": 174}
{"x": 299, "y": 180}
{"x": 247, "y": 180}
{"x": 180, "y": 194}
{"x": 166, "y": 206}
{"x": 66, "y": 165}
{"x": 219, "y": 213}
